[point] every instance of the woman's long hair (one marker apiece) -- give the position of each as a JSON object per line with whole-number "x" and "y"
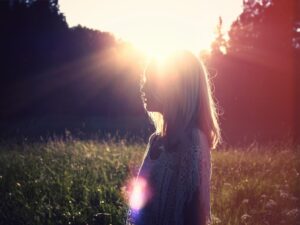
{"x": 186, "y": 97}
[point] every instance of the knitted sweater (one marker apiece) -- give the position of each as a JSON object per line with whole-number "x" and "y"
{"x": 178, "y": 182}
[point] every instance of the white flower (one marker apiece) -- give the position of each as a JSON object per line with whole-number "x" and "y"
{"x": 263, "y": 196}
{"x": 245, "y": 217}
{"x": 215, "y": 220}
{"x": 293, "y": 213}
{"x": 245, "y": 201}
{"x": 283, "y": 194}
{"x": 271, "y": 203}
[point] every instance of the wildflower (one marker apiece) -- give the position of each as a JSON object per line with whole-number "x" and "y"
{"x": 263, "y": 196}
{"x": 271, "y": 203}
{"x": 283, "y": 194}
{"x": 245, "y": 201}
{"x": 215, "y": 220}
{"x": 245, "y": 217}
{"x": 293, "y": 213}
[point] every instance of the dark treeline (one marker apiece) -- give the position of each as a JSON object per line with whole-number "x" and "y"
{"x": 48, "y": 68}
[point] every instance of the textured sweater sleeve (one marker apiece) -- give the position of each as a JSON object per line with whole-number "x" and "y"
{"x": 205, "y": 178}
{"x": 194, "y": 177}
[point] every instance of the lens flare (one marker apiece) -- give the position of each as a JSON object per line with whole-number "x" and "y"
{"x": 140, "y": 193}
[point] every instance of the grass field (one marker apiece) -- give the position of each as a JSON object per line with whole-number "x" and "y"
{"x": 71, "y": 181}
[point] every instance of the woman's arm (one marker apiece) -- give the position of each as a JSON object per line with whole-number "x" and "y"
{"x": 197, "y": 210}
{"x": 205, "y": 177}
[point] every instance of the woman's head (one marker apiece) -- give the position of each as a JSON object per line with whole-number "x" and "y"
{"x": 177, "y": 95}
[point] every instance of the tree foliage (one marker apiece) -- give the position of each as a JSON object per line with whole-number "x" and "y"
{"x": 257, "y": 80}
{"x": 48, "y": 68}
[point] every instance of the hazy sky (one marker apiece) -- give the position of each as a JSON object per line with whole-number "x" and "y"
{"x": 155, "y": 26}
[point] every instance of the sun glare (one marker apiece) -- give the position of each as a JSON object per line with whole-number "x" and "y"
{"x": 157, "y": 54}
{"x": 155, "y": 27}
{"x": 139, "y": 193}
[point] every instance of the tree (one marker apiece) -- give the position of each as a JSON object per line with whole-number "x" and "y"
{"x": 257, "y": 76}
{"x": 263, "y": 25}
{"x": 219, "y": 45}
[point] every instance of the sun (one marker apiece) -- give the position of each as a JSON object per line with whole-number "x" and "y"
{"x": 159, "y": 54}
{"x": 160, "y": 49}
{"x": 160, "y": 33}
{"x": 156, "y": 27}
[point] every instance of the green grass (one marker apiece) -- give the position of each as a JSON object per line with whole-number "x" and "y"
{"x": 72, "y": 181}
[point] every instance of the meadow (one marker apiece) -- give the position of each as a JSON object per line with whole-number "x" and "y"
{"x": 72, "y": 181}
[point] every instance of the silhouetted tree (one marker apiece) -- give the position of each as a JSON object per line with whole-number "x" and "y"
{"x": 48, "y": 68}
{"x": 266, "y": 25}
{"x": 219, "y": 45}
{"x": 257, "y": 77}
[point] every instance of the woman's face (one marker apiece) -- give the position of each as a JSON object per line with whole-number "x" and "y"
{"x": 150, "y": 90}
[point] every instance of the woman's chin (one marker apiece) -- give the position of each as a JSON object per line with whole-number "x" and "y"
{"x": 148, "y": 107}
{"x": 151, "y": 109}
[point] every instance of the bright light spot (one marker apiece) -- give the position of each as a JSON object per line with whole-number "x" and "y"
{"x": 223, "y": 50}
{"x": 159, "y": 55}
{"x": 140, "y": 193}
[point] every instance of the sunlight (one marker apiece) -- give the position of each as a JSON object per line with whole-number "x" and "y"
{"x": 155, "y": 27}
{"x": 156, "y": 54}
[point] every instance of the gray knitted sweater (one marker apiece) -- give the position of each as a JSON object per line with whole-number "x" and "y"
{"x": 175, "y": 179}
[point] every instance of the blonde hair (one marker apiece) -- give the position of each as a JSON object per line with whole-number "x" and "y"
{"x": 189, "y": 101}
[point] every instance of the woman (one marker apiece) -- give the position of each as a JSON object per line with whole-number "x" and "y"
{"x": 173, "y": 182}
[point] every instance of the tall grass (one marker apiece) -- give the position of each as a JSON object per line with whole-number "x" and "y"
{"x": 71, "y": 181}
{"x": 258, "y": 185}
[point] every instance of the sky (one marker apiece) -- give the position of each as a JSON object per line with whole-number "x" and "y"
{"x": 155, "y": 26}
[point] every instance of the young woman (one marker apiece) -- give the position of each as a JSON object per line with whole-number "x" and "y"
{"x": 173, "y": 182}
